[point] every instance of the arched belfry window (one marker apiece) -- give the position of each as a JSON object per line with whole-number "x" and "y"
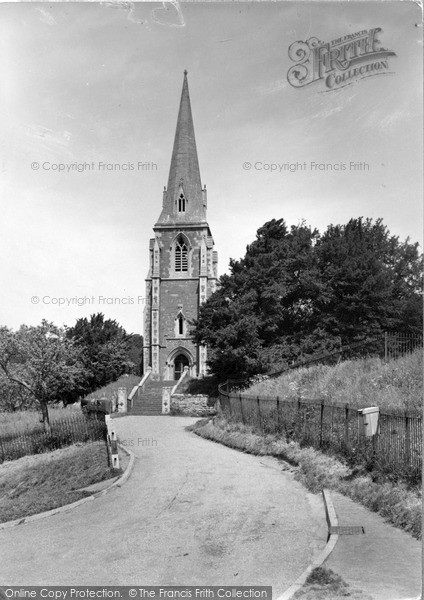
{"x": 181, "y": 255}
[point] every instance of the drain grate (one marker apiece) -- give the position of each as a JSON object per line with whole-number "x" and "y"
{"x": 340, "y": 530}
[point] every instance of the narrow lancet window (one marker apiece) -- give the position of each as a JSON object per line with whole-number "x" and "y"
{"x": 180, "y": 324}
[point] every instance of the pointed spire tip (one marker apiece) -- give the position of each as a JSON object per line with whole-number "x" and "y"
{"x": 185, "y": 72}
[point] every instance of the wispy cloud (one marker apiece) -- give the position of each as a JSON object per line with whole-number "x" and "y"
{"x": 46, "y": 16}
{"x": 274, "y": 86}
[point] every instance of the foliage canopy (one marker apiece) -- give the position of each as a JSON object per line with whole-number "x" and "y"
{"x": 298, "y": 293}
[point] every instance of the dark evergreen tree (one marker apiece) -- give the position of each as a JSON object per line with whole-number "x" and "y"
{"x": 104, "y": 347}
{"x": 373, "y": 280}
{"x": 296, "y": 293}
{"x": 266, "y": 303}
{"x": 135, "y": 352}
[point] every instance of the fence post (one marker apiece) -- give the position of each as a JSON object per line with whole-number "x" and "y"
{"x": 278, "y": 413}
{"x": 259, "y": 412}
{"x": 112, "y": 442}
{"x": 374, "y": 452}
{"x": 407, "y": 439}
{"x": 241, "y": 408}
{"x": 385, "y": 347}
{"x": 347, "y": 424}
{"x": 321, "y": 421}
{"x": 230, "y": 404}
{"x": 299, "y": 423}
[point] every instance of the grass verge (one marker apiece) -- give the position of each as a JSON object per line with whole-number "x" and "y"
{"x": 324, "y": 584}
{"x": 110, "y": 391}
{"x": 24, "y": 421}
{"x": 34, "y": 484}
{"x": 399, "y": 505}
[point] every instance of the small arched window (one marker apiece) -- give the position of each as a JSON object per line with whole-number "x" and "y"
{"x": 181, "y": 202}
{"x": 181, "y": 255}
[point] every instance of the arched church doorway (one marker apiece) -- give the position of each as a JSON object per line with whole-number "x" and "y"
{"x": 180, "y": 362}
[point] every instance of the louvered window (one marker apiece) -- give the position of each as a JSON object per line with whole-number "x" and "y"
{"x": 181, "y": 256}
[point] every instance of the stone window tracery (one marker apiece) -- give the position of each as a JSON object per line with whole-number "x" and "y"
{"x": 181, "y": 255}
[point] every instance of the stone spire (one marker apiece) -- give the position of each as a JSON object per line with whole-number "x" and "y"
{"x": 184, "y": 201}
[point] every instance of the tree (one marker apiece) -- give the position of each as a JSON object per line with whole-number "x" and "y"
{"x": 42, "y": 361}
{"x": 13, "y": 397}
{"x": 135, "y": 352}
{"x": 265, "y": 303}
{"x": 374, "y": 281}
{"x": 103, "y": 346}
{"x": 298, "y": 293}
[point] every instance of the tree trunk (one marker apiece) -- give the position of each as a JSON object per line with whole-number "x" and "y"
{"x": 45, "y": 417}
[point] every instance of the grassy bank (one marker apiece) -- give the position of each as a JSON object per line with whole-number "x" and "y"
{"x": 34, "y": 484}
{"x": 394, "y": 386}
{"x": 324, "y": 584}
{"x": 396, "y": 503}
{"x": 110, "y": 391}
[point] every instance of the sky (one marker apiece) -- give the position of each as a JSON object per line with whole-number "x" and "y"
{"x": 88, "y": 83}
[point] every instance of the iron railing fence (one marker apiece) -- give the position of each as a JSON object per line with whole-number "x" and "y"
{"x": 389, "y": 346}
{"x": 64, "y": 432}
{"x": 394, "y": 450}
{"x": 398, "y": 344}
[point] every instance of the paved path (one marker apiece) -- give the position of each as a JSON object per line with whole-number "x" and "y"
{"x": 385, "y": 562}
{"x": 192, "y": 512}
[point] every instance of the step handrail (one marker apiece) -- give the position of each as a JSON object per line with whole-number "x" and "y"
{"x": 182, "y": 376}
{"x": 136, "y": 388}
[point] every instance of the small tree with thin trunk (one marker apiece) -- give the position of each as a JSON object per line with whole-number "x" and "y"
{"x": 43, "y": 361}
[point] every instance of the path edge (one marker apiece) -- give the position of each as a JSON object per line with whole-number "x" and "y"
{"x": 54, "y": 511}
{"x": 332, "y": 540}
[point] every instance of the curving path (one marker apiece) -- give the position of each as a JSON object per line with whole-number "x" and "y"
{"x": 192, "y": 513}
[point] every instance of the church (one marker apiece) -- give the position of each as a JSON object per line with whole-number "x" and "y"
{"x": 182, "y": 259}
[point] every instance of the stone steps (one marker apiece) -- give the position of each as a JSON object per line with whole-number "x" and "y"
{"x": 150, "y": 401}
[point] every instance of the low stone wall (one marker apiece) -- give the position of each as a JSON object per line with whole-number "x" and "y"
{"x": 191, "y": 406}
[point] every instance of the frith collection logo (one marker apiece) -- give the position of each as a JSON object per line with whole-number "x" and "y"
{"x": 340, "y": 62}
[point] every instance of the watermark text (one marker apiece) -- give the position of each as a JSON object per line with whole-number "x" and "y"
{"x": 311, "y": 166}
{"x": 99, "y": 166}
{"x": 87, "y": 300}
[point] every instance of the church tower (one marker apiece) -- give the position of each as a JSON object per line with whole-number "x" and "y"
{"x": 183, "y": 264}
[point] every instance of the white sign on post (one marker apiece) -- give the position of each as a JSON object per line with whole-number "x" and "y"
{"x": 369, "y": 420}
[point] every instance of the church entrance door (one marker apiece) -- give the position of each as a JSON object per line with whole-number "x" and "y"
{"x": 180, "y": 362}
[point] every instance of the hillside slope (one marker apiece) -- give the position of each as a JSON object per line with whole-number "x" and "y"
{"x": 395, "y": 386}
